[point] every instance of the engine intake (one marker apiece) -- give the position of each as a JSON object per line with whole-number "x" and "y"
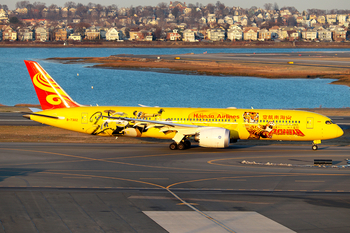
{"x": 213, "y": 137}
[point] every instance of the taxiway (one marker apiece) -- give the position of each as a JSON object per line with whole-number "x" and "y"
{"x": 147, "y": 188}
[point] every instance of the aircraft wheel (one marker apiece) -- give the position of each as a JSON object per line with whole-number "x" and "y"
{"x": 314, "y": 147}
{"x": 181, "y": 146}
{"x": 187, "y": 144}
{"x": 173, "y": 146}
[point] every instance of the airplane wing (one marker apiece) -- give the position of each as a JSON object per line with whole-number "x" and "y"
{"x": 164, "y": 126}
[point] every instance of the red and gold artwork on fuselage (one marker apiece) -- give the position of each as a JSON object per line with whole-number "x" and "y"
{"x": 271, "y": 126}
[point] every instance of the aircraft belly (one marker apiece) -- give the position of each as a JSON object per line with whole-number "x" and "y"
{"x": 156, "y": 133}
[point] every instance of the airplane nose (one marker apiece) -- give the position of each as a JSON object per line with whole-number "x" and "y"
{"x": 340, "y": 132}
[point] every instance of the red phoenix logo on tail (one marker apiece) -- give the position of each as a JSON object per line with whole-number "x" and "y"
{"x": 49, "y": 93}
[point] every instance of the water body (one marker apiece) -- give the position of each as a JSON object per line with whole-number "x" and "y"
{"x": 132, "y": 87}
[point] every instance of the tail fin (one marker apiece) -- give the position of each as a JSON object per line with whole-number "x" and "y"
{"x": 50, "y": 94}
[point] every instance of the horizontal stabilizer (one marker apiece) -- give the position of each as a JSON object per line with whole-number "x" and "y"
{"x": 41, "y": 115}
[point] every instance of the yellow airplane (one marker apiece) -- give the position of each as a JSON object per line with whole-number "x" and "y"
{"x": 210, "y": 127}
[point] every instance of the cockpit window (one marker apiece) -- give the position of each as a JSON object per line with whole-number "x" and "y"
{"x": 329, "y": 122}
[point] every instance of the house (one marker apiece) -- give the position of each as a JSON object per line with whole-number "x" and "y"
{"x": 216, "y": 34}
{"x": 283, "y": 33}
{"x": 250, "y": 33}
{"x": 112, "y": 34}
{"x": 229, "y": 19}
{"x": 25, "y": 34}
{"x": 188, "y": 35}
{"x": 148, "y": 36}
{"x": 202, "y": 20}
{"x": 92, "y": 33}
{"x": 339, "y": 35}
{"x": 135, "y": 34}
{"x": 60, "y": 34}
{"x": 300, "y": 19}
{"x": 321, "y": 19}
{"x": 341, "y": 19}
{"x": 275, "y": 33}
{"x": 8, "y": 33}
{"x": 3, "y": 15}
{"x": 42, "y": 34}
{"x": 293, "y": 35}
{"x": 264, "y": 34}
{"x": 331, "y": 18}
{"x": 174, "y": 35}
{"x": 211, "y": 18}
{"x": 309, "y": 34}
{"x": 324, "y": 35}
{"x": 75, "y": 36}
{"x": 234, "y": 33}
{"x": 180, "y": 5}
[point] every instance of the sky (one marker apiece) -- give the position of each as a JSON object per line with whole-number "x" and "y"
{"x": 298, "y": 4}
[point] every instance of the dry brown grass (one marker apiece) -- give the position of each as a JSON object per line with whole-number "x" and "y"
{"x": 225, "y": 67}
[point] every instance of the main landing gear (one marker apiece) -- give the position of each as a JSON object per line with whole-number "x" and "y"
{"x": 184, "y": 144}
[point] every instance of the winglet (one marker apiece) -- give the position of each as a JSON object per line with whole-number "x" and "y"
{"x": 50, "y": 94}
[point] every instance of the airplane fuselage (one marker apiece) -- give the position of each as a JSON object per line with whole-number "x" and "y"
{"x": 255, "y": 124}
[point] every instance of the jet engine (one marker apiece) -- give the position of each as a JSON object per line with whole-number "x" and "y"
{"x": 213, "y": 137}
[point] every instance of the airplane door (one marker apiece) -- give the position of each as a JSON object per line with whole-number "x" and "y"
{"x": 84, "y": 118}
{"x": 309, "y": 122}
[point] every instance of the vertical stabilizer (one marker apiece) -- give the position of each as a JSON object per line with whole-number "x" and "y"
{"x": 49, "y": 93}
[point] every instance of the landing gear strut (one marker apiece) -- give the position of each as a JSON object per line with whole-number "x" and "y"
{"x": 314, "y": 144}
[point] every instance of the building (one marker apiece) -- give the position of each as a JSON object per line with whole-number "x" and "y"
{"x": 264, "y": 34}
{"x": 216, "y": 34}
{"x": 75, "y": 37}
{"x": 234, "y": 33}
{"x": 113, "y": 34}
{"x": 339, "y": 36}
{"x": 309, "y": 34}
{"x": 42, "y": 34}
{"x": 135, "y": 34}
{"x": 25, "y": 34}
{"x": 8, "y": 33}
{"x": 324, "y": 35}
{"x": 250, "y": 33}
{"x": 61, "y": 34}
{"x": 92, "y": 33}
{"x": 293, "y": 35}
{"x": 188, "y": 35}
{"x": 174, "y": 35}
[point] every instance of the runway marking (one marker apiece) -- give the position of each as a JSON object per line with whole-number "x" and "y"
{"x": 233, "y": 221}
{"x": 103, "y": 177}
{"x": 199, "y": 199}
{"x": 108, "y": 161}
{"x": 200, "y": 212}
{"x": 311, "y": 181}
{"x": 188, "y": 203}
{"x": 154, "y": 178}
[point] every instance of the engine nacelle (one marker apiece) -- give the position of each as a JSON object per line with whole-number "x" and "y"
{"x": 213, "y": 137}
